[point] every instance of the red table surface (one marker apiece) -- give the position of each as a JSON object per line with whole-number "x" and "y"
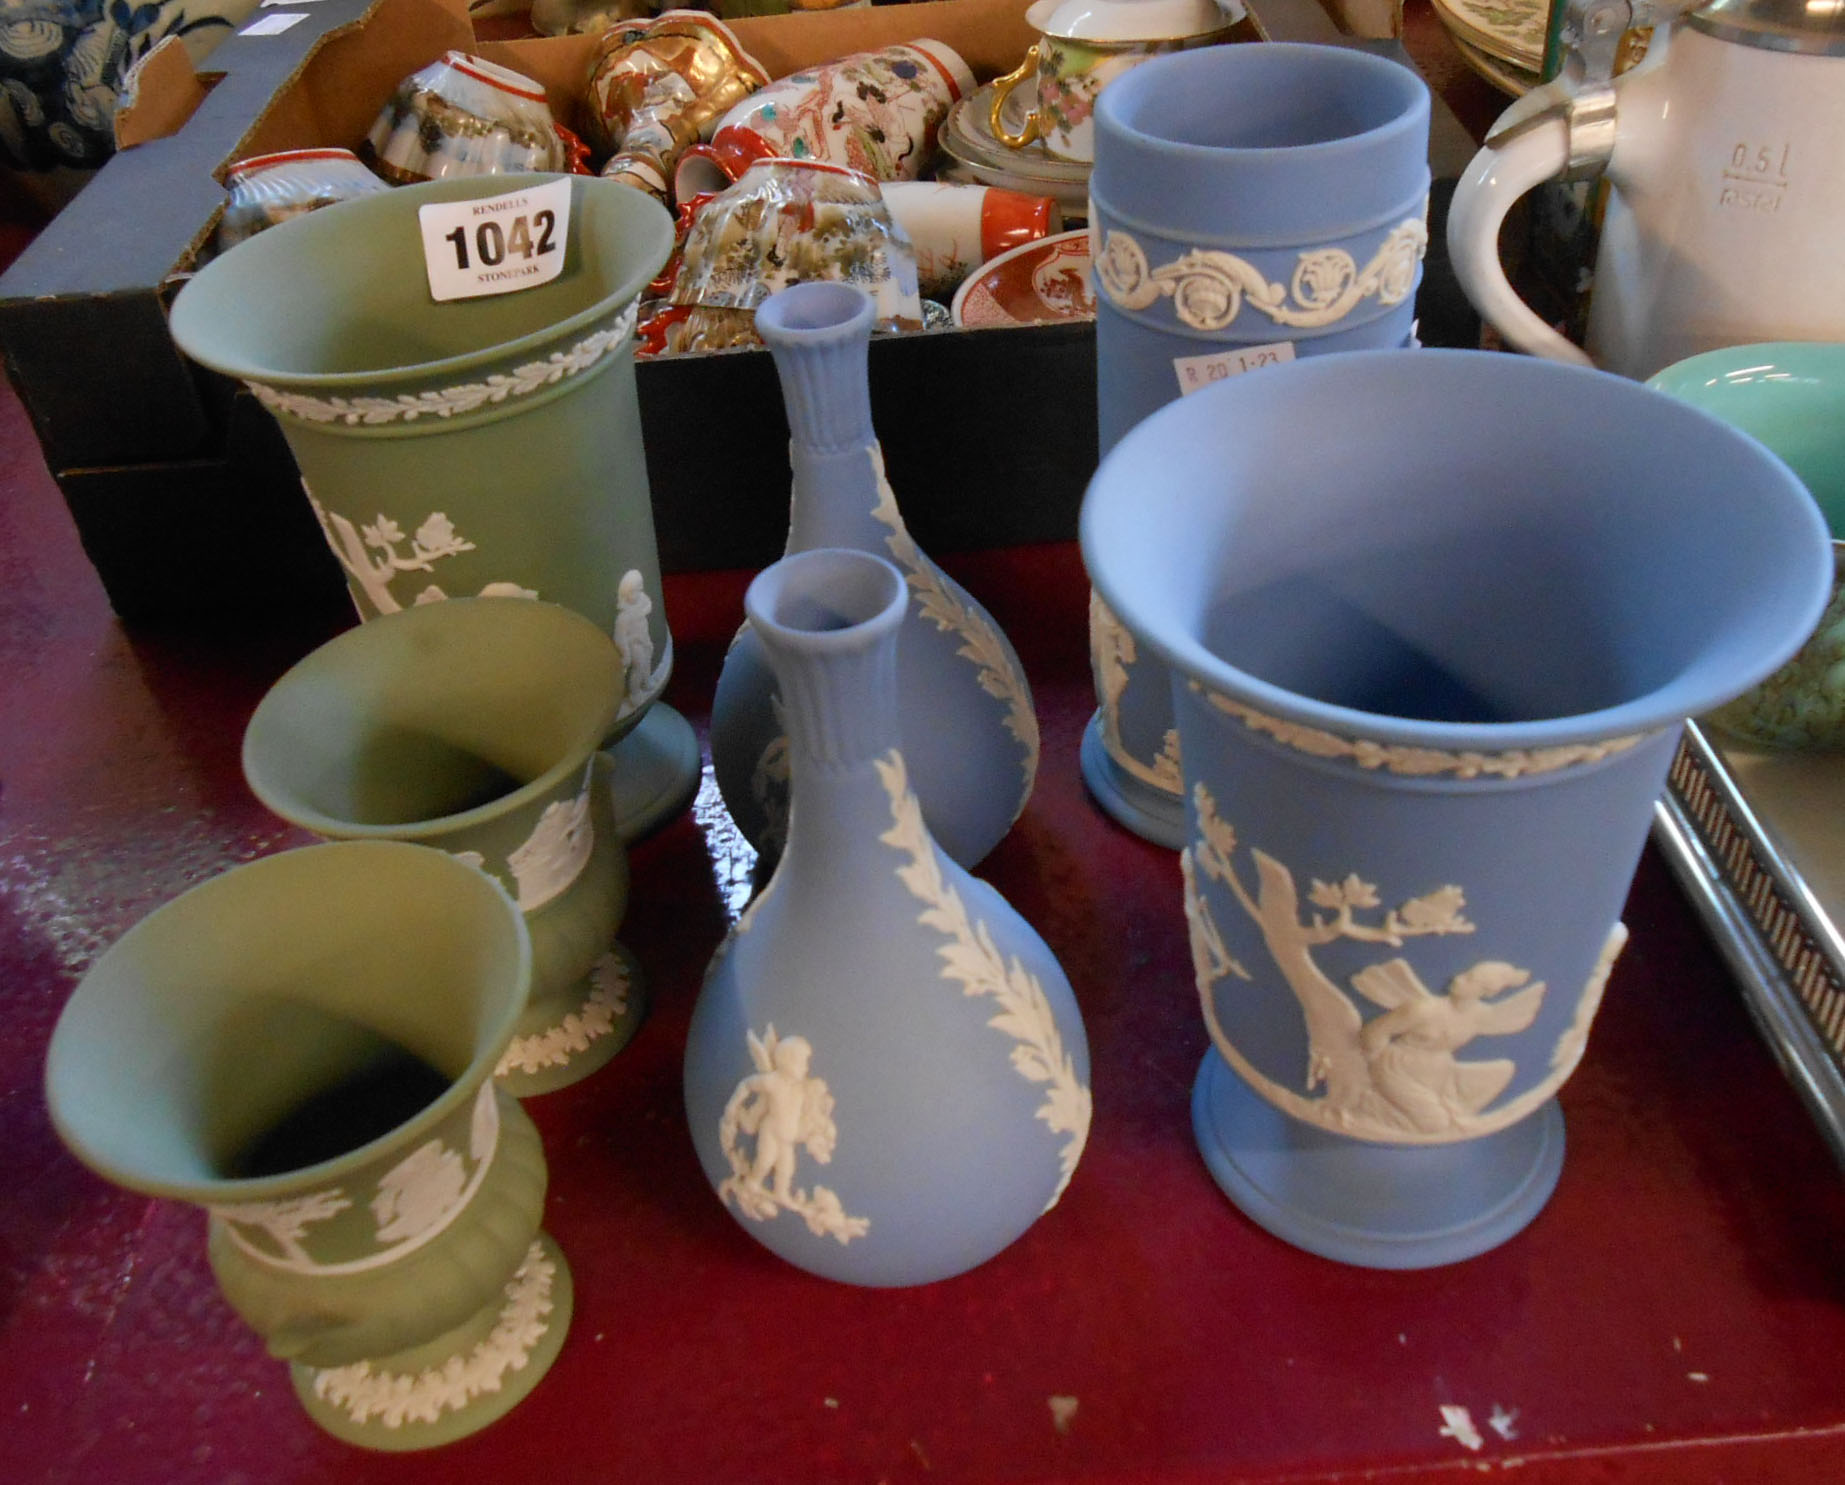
{"x": 1673, "y": 1315}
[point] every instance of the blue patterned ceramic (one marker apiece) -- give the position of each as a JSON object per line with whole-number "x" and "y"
{"x": 1250, "y": 204}
{"x": 63, "y": 64}
{"x": 886, "y": 1072}
{"x": 970, "y": 734}
{"x": 1434, "y": 620}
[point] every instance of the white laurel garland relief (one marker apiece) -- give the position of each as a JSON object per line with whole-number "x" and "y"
{"x": 785, "y": 1111}
{"x": 449, "y": 402}
{"x": 414, "y": 1201}
{"x": 394, "y": 1399}
{"x": 602, "y": 1008}
{"x": 1209, "y": 287}
{"x": 1414, "y": 762}
{"x": 971, "y": 957}
{"x": 1112, "y": 650}
{"x": 1395, "y": 1076}
{"x": 981, "y": 643}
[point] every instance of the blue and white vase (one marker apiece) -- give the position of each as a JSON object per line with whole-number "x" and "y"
{"x": 886, "y": 1074}
{"x": 1249, "y": 205}
{"x": 970, "y": 734}
{"x": 1427, "y": 687}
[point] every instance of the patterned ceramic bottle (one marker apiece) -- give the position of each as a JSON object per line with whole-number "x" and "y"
{"x": 970, "y": 736}
{"x": 896, "y": 1102}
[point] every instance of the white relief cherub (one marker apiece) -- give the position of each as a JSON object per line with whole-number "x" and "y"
{"x": 632, "y": 638}
{"x": 1410, "y": 1048}
{"x": 786, "y": 1111}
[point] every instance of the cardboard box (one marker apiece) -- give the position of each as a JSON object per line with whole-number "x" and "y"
{"x": 174, "y": 476}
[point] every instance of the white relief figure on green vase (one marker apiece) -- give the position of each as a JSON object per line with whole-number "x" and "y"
{"x": 475, "y": 725}
{"x": 489, "y": 446}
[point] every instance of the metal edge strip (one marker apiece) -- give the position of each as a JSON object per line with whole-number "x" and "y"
{"x": 1790, "y": 966}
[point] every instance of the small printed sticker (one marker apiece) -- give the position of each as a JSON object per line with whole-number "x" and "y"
{"x": 498, "y": 244}
{"x": 274, "y": 25}
{"x": 1195, "y": 372}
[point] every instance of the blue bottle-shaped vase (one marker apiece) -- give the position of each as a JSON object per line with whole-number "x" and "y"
{"x": 969, "y": 733}
{"x": 886, "y": 1074}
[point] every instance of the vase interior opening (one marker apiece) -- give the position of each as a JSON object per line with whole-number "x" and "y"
{"x": 286, "y": 1013}
{"x": 816, "y": 305}
{"x": 825, "y": 591}
{"x": 1266, "y": 106}
{"x": 1452, "y": 537}
{"x": 424, "y": 716}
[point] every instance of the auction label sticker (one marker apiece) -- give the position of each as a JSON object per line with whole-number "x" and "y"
{"x": 498, "y": 244}
{"x": 1195, "y": 372}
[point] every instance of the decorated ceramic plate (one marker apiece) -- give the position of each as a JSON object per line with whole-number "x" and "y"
{"x": 1035, "y": 284}
{"x": 967, "y": 140}
{"x": 1505, "y": 76}
{"x": 1510, "y": 30}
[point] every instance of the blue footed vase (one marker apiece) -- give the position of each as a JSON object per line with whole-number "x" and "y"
{"x": 1250, "y": 205}
{"x": 970, "y": 734}
{"x": 1434, "y": 620}
{"x": 886, "y": 1074}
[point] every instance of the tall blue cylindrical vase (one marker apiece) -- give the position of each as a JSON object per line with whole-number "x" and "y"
{"x": 969, "y": 730}
{"x": 1434, "y": 619}
{"x": 886, "y": 1074}
{"x": 1250, "y": 205}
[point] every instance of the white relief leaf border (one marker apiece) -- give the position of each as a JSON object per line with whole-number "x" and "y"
{"x": 981, "y": 642}
{"x": 971, "y": 957}
{"x": 448, "y": 402}
{"x": 396, "y": 1398}
{"x": 1418, "y": 762}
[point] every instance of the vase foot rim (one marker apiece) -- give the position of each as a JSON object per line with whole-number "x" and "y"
{"x": 1305, "y": 1185}
{"x": 1149, "y": 812}
{"x": 656, "y": 773}
{"x": 559, "y": 1049}
{"x": 508, "y": 1346}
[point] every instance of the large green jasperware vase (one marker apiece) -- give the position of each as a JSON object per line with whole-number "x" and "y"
{"x": 486, "y": 445}
{"x": 472, "y": 726}
{"x": 304, "y": 1047}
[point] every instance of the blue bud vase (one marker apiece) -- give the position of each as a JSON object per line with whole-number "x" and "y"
{"x": 886, "y": 1074}
{"x": 970, "y": 736}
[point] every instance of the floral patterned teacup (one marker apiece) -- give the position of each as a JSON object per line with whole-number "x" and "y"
{"x": 1083, "y": 46}
{"x": 873, "y": 112}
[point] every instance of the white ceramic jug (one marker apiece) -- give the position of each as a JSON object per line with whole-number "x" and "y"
{"x": 1725, "y": 148}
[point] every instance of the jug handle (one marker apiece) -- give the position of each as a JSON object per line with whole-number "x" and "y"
{"x": 1528, "y": 146}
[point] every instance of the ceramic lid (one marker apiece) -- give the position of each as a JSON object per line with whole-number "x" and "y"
{"x": 1138, "y": 20}
{"x": 1816, "y": 27}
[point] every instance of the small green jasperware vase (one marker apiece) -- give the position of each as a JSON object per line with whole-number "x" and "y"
{"x": 304, "y": 1047}
{"x": 487, "y": 445}
{"x": 472, "y": 726}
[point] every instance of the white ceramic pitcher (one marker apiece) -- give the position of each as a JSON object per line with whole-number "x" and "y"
{"x": 1725, "y": 148}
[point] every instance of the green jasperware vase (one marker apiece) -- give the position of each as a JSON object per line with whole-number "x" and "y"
{"x": 487, "y": 445}
{"x": 304, "y": 1047}
{"x": 472, "y": 726}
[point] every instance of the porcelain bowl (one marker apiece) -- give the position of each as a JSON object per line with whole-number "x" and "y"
{"x": 1790, "y": 397}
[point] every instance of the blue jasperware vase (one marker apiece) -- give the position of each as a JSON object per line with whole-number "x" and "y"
{"x": 1434, "y": 620}
{"x": 1250, "y": 205}
{"x": 970, "y": 734}
{"x": 886, "y": 1074}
